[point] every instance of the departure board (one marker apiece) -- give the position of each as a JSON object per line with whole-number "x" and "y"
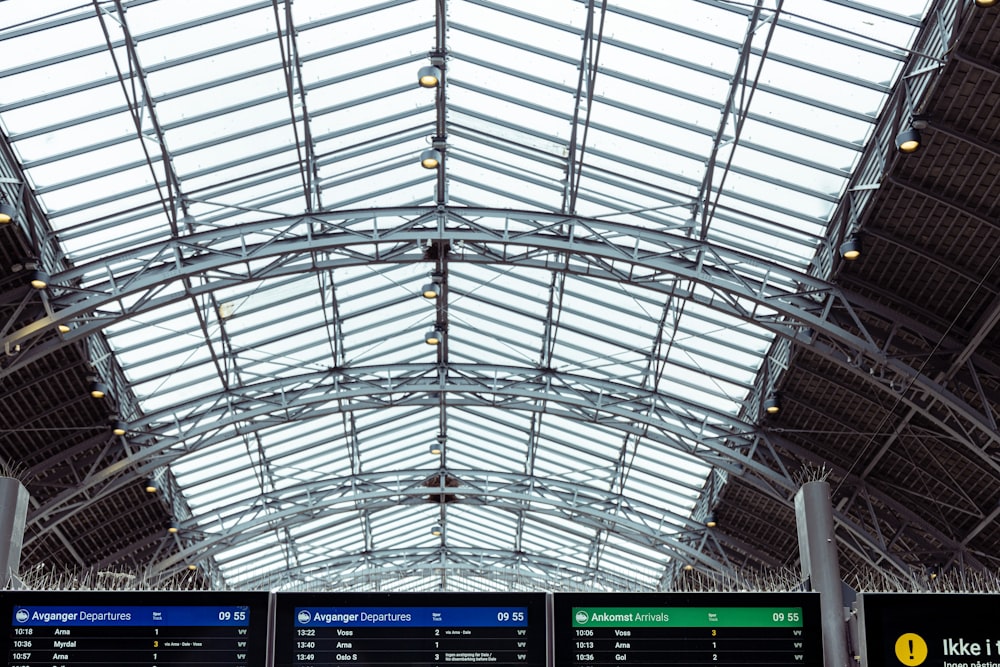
{"x": 687, "y": 629}
{"x": 412, "y": 629}
{"x": 135, "y": 629}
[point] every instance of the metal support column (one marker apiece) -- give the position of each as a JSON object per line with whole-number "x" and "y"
{"x": 13, "y": 514}
{"x": 821, "y": 566}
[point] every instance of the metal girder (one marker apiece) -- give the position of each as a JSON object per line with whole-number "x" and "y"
{"x": 770, "y": 295}
{"x": 622, "y": 408}
{"x": 745, "y": 9}
{"x": 610, "y": 251}
{"x": 675, "y": 423}
{"x": 776, "y": 299}
{"x": 584, "y": 505}
{"x": 738, "y": 110}
{"x": 142, "y": 108}
{"x": 523, "y": 571}
{"x": 854, "y": 483}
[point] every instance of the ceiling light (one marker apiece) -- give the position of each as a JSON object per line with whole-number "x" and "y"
{"x": 173, "y": 528}
{"x": 437, "y": 530}
{"x": 7, "y": 212}
{"x": 64, "y": 328}
{"x": 226, "y": 310}
{"x": 433, "y": 337}
{"x": 192, "y": 567}
{"x": 98, "y": 389}
{"x": 39, "y": 279}
{"x": 436, "y": 449}
{"x": 429, "y": 76}
{"x": 118, "y": 427}
{"x": 149, "y": 486}
{"x": 985, "y": 3}
{"x": 851, "y": 248}
{"x": 432, "y": 289}
{"x": 710, "y": 520}
{"x": 908, "y": 141}
{"x": 772, "y": 404}
{"x": 430, "y": 158}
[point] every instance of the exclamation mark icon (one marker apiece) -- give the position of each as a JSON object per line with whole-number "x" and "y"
{"x": 911, "y": 649}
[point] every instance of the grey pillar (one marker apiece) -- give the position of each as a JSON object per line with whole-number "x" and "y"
{"x": 13, "y": 513}
{"x": 820, "y": 565}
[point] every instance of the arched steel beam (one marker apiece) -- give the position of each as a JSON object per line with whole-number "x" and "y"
{"x": 537, "y": 571}
{"x": 592, "y": 508}
{"x": 119, "y": 286}
{"x": 725, "y": 442}
{"x": 779, "y": 300}
{"x": 684, "y": 427}
{"x": 598, "y": 245}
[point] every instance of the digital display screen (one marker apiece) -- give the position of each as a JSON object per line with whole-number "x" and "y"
{"x": 152, "y": 629}
{"x": 912, "y": 629}
{"x": 412, "y": 629}
{"x": 764, "y": 629}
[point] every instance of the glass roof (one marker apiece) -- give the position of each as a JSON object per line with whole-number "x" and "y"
{"x": 293, "y": 397}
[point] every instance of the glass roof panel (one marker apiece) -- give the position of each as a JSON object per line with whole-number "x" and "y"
{"x": 570, "y": 381}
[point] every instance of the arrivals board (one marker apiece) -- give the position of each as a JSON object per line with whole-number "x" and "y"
{"x": 912, "y": 629}
{"x": 411, "y": 629}
{"x": 687, "y": 629}
{"x": 134, "y": 629}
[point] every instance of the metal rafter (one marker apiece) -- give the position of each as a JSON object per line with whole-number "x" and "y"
{"x": 808, "y": 312}
{"x": 593, "y": 33}
{"x": 772, "y": 297}
{"x": 674, "y": 422}
{"x": 853, "y": 488}
{"x": 738, "y": 109}
{"x": 140, "y": 101}
{"x": 584, "y": 505}
{"x": 519, "y": 570}
{"x": 723, "y": 449}
{"x": 295, "y": 90}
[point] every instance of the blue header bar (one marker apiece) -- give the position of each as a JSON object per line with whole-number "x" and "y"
{"x": 100, "y": 615}
{"x": 414, "y": 617}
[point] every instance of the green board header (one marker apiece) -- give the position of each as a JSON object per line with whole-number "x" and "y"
{"x": 687, "y": 617}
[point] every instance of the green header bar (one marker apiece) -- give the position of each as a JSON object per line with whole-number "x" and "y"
{"x": 687, "y": 617}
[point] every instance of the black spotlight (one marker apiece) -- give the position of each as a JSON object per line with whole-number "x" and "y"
{"x": 98, "y": 389}
{"x": 908, "y": 141}
{"x": 851, "y": 248}
{"x": 7, "y": 212}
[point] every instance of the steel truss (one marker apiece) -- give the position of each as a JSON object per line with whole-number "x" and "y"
{"x": 789, "y": 304}
{"x": 797, "y": 308}
{"x": 491, "y": 570}
{"x": 660, "y": 419}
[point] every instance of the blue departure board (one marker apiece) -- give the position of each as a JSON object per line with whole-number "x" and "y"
{"x": 410, "y": 629}
{"x": 126, "y": 629}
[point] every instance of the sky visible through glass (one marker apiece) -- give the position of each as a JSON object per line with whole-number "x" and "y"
{"x": 729, "y": 123}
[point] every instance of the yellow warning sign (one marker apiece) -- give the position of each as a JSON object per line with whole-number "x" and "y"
{"x": 911, "y": 649}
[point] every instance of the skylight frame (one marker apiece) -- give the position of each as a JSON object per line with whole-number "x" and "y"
{"x": 92, "y": 228}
